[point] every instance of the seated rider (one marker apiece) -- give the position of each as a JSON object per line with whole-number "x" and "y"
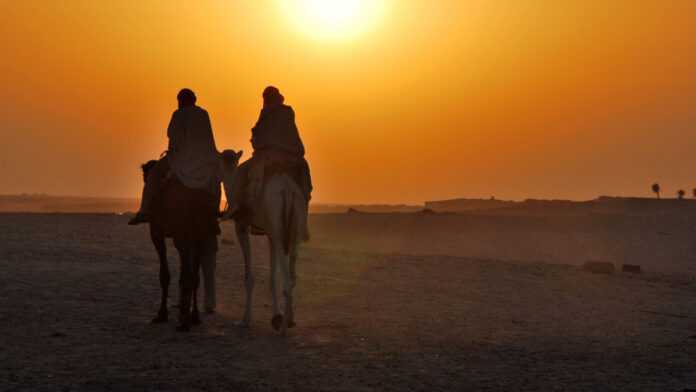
{"x": 275, "y": 140}
{"x": 192, "y": 156}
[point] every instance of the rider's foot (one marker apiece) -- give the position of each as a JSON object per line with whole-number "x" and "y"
{"x": 138, "y": 219}
{"x": 229, "y": 213}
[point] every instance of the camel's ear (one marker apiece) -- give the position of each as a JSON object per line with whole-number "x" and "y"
{"x": 239, "y": 154}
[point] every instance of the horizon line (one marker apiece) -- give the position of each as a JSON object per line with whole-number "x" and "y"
{"x": 375, "y": 203}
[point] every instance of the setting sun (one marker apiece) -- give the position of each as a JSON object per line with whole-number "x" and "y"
{"x": 348, "y": 195}
{"x": 332, "y": 19}
{"x": 397, "y": 101}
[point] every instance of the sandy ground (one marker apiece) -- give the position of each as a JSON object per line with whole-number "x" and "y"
{"x": 388, "y": 303}
{"x": 663, "y": 243}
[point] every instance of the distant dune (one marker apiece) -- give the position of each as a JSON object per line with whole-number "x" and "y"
{"x": 659, "y": 242}
{"x": 77, "y": 204}
{"x": 602, "y": 205}
{"x": 66, "y": 204}
{"x": 368, "y": 208}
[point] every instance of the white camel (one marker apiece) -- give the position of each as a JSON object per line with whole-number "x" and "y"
{"x": 284, "y": 224}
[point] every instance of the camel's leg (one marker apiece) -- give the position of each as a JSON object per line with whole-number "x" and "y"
{"x": 243, "y": 239}
{"x": 277, "y": 316}
{"x": 293, "y": 261}
{"x": 164, "y": 277}
{"x": 280, "y": 260}
{"x": 281, "y": 224}
{"x": 186, "y": 284}
{"x": 208, "y": 268}
{"x": 293, "y": 283}
{"x": 196, "y": 267}
{"x": 284, "y": 263}
{"x": 195, "y": 315}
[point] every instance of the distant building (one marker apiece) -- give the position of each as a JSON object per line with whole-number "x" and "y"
{"x": 602, "y": 205}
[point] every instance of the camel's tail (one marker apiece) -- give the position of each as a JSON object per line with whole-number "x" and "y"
{"x": 294, "y": 220}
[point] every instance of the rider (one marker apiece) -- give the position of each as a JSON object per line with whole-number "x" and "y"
{"x": 275, "y": 140}
{"x": 191, "y": 157}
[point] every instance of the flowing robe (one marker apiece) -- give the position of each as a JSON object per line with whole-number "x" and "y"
{"x": 192, "y": 154}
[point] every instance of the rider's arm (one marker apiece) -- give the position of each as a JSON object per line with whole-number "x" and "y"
{"x": 174, "y": 131}
{"x": 259, "y": 134}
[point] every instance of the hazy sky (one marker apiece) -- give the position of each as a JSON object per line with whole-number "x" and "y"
{"x": 403, "y": 102}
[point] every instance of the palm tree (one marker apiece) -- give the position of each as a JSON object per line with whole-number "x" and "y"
{"x": 680, "y": 194}
{"x": 656, "y": 189}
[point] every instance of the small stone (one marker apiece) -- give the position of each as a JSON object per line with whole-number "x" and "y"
{"x": 599, "y": 267}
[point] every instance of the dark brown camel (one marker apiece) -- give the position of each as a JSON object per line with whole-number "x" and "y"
{"x": 189, "y": 217}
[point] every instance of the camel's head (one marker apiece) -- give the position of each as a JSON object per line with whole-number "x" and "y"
{"x": 147, "y": 166}
{"x": 230, "y": 159}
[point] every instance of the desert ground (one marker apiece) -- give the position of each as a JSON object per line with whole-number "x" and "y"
{"x": 385, "y": 302}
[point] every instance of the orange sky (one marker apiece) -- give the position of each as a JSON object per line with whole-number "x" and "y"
{"x": 437, "y": 99}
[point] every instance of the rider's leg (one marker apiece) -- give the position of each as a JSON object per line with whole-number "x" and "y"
{"x": 208, "y": 264}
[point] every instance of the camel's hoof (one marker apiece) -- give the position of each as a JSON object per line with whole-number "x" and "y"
{"x": 245, "y": 322}
{"x": 183, "y": 328}
{"x": 277, "y": 321}
{"x": 161, "y": 318}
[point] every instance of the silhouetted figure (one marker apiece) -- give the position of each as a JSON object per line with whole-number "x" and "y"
{"x": 277, "y": 147}
{"x": 182, "y": 197}
{"x": 191, "y": 158}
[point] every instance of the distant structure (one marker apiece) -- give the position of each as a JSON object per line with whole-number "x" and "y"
{"x": 600, "y": 205}
{"x": 656, "y": 189}
{"x": 465, "y": 205}
{"x": 681, "y": 194}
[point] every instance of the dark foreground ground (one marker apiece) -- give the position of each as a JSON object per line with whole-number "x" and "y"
{"x": 77, "y": 293}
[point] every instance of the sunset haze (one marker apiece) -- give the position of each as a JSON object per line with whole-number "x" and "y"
{"x": 410, "y": 101}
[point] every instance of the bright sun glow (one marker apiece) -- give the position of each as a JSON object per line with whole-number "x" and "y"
{"x": 333, "y": 19}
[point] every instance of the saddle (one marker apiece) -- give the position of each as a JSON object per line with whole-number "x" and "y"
{"x": 294, "y": 170}
{"x": 185, "y": 213}
{"x": 260, "y": 173}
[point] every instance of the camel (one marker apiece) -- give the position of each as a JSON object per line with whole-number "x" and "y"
{"x": 284, "y": 223}
{"x": 194, "y": 253}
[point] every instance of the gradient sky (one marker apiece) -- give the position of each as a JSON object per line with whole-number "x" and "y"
{"x": 423, "y": 100}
